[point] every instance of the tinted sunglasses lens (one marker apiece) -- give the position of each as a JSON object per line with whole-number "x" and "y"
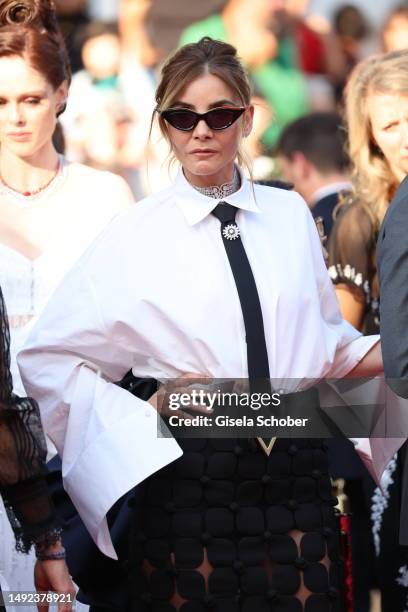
{"x": 180, "y": 119}
{"x": 221, "y": 118}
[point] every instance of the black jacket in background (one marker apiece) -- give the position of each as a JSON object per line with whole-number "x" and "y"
{"x": 392, "y": 264}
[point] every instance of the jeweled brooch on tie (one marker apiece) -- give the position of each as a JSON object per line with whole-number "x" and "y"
{"x": 231, "y": 232}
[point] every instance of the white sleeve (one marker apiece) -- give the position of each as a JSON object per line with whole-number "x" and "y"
{"x": 107, "y": 438}
{"x": 346, "y": 345}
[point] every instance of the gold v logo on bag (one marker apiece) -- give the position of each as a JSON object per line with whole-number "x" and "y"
{"x": 267, "y": 448}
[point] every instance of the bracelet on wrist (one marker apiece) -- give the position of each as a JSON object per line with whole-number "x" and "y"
{"x": 51, "y": 556}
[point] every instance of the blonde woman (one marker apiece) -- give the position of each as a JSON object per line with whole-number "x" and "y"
{"x": 376, "y": 112}
{"x": 376, "y": 98}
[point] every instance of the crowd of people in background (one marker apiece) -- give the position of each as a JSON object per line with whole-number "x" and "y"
{"x": 299, "y": 63}
{"x": 318, "y": 126}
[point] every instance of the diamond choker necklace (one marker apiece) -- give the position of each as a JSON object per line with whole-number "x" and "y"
{"x": 219, "y": 192}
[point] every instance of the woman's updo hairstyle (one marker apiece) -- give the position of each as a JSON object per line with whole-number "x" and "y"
{"x": 207, "y": 56}
{"x": 29, "y": 29}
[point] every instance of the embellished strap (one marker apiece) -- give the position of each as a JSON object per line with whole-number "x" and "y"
{"x": 349, "y": 275}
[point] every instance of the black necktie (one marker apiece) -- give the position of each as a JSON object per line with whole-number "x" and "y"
{"x": 258, "y": 364}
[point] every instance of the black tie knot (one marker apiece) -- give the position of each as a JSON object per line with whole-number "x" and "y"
{"x": 225, "y": 212}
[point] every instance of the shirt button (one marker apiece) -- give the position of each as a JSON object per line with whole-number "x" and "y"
{"x": 300, "y": 563}
{"x": 332, "y": 593}
{"x": 266, "y": 479}
{"x": 238, "y": 566}
{"x": 316, "y": 473}
{"x": 205, "y": 537}
{"x": 238, "y": 450}
{"x": 209, "y": 601}
{"x": 292, "y": 504}
{"x": 293, "y": 449}
{"x": 327, "y": 532}
{"x": 267, "y": 535}
{"x": 234, "y": 507}
{"x": 204, "y": 479}
{"x": 272, "y": 595}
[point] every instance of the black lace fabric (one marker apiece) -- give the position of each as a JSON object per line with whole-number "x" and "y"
{"x": 22, "y": 458}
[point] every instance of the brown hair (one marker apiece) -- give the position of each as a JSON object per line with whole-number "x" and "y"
{"x": 374, "y": 182}
{"x": 191, "y": 61}
{"x": 29, "y": 29}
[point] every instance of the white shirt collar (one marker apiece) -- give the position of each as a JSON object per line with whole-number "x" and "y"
{"x": 327, "y": 190}
{"x": 195, "y": 206}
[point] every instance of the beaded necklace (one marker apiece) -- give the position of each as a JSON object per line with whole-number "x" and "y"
{"x": 34, "y": 191}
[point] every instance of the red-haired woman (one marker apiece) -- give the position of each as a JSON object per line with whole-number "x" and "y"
{"x": 50, "y": 209}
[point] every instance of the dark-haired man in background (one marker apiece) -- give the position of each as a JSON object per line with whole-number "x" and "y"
{"x": 312, "y": 156}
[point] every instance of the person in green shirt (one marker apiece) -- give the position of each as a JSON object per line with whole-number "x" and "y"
{"x": 271, "y": 61}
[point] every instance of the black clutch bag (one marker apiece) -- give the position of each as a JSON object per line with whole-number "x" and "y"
{"x": 102, "y": 581}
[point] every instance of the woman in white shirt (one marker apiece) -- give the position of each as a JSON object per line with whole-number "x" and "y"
{"x": 220, "y": 523}
{"x": 50, "y": 209}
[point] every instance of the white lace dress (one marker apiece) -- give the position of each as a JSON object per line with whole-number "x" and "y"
{"x": 78, "y": 204}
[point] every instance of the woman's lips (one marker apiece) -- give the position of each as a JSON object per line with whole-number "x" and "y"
{"x": 203, "y": 152}
{"x": 19, "y": 135}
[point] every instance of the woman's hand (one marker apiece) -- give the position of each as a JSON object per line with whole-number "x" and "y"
{"x": 185, "y": 384}
{"x": 53, "y": 575}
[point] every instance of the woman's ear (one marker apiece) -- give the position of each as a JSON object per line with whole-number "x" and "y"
{"x": 61, "y": 96}
{"x": 248, "y": 121}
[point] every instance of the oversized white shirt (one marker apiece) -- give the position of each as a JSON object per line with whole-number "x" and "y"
{"x": 155, "y": 293}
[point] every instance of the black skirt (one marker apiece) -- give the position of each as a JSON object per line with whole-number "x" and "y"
{"x": 228, "y": 529}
